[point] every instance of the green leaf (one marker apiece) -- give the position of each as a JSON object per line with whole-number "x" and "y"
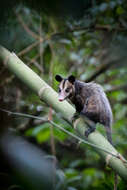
{"x": 89, "y": 171}
{"x": 39, "y": 128}
{"x": 29, "y": 132}
{"x": 43, "y": 136}
{"x": 60, "y": 135}
{"x": 120, "y": 10}
{"x": 70, "y": 173}
{"x": 119, "y": 95}
{"x": 75, "y": 179}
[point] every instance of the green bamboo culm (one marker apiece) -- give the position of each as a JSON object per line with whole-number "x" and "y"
{"x": 50, "y": 97}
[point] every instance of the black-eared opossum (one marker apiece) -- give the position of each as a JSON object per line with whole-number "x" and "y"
{"x": 89, "y": 100}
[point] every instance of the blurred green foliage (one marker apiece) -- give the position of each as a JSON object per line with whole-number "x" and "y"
{"x": 81, "y": 46}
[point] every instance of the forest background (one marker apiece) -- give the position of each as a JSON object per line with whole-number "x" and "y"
{"x": 85, "y": 38}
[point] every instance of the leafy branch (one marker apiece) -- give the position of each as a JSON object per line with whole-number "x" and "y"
{"x": 81, "y": 140}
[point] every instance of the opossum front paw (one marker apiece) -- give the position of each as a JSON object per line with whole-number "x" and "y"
{"x": 88, "y": 131}
{"x": 75, "y": 116}
{"x": 87, "y": 134}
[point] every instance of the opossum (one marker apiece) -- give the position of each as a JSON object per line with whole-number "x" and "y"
{"x": 89, "y": 100}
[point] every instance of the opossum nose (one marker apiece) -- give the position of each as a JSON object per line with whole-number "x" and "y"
{"x": 60, "y": 100}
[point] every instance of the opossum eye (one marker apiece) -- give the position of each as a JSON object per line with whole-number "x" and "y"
{"x": 59, "y": 90}
{"x": 67, "y": 90}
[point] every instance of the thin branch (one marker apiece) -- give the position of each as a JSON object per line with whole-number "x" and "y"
{"x": 40, "y": 47}
{"x": 62, "y": 129}
{"x": 100, "y": 70}
{"x": 108, "y": 62}
{"x": 27, "y": 29}
{"x": 28, "y": 48}
{"x": 33, "y": 60}
{"x": 7, "y": 80}
{"x": 82, "y": 140}
{"x": 89, "y": 29}
{"x": 109, "y": 28}
{"x": 24, "y": 115}
{"x": 115, "y": 88}
{"x": 97, "y": 27}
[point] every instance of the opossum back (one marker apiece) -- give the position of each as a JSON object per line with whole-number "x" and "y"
{"x": 104, "y": 108}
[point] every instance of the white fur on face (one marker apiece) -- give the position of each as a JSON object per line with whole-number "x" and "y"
{"x": 65, "y": 88}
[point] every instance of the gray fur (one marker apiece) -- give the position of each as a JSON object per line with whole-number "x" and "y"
{"x": 90, "y": 100}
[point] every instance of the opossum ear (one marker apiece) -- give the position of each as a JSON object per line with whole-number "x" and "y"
{"x": 58, "y": 78}
{"x": 71, "y": 79}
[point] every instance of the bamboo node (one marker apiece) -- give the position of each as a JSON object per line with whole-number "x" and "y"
{"x": 41, "y": 91}
{"x": 121, "y": 158}
{"x": 109, "y": 156}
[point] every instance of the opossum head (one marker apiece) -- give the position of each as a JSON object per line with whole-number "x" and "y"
{"x": 66, "y": 87}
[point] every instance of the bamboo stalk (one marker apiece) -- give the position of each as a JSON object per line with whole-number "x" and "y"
{"x": 49, "y": 96}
